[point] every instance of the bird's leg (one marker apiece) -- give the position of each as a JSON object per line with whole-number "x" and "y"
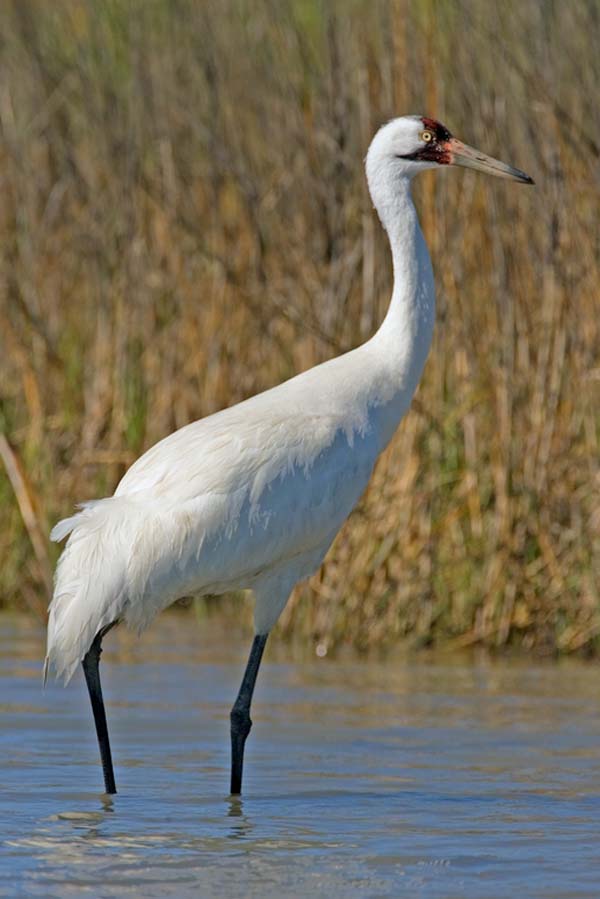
{"x": 240, "y": 713}
{"x": 91, "y": 663}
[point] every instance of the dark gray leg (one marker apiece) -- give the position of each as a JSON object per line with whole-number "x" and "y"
{"x": 91, "y": 663}
{"x": 240, "y": 713}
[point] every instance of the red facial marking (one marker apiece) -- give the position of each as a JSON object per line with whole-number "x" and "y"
{"x": 439, "y": 131}
{"x": 436, "y": 150}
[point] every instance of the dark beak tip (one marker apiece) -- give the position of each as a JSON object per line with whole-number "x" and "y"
{"x": 527, "y": 179}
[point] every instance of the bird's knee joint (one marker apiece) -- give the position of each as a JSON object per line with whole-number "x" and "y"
{"x": 240, "y": 721}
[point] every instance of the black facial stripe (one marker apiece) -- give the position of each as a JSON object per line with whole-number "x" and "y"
{"x": 431, "y": 152}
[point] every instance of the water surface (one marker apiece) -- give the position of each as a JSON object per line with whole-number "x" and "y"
{"x": 411, "y": 776}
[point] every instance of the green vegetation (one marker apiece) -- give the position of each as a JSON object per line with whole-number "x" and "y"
{"x": 184, "y": 221}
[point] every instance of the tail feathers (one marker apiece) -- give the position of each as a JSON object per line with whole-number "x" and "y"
{"x": 90, "y": 581}
{"x": 92, "y": 514}
{"x": 63, "y": 528}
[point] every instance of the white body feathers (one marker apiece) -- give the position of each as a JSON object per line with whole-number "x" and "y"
{"x": 253, "y": 496}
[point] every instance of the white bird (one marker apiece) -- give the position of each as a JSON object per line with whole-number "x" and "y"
{"x": 253, "y": 496}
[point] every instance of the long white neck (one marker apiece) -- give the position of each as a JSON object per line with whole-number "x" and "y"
{"x": 404, "y": 338}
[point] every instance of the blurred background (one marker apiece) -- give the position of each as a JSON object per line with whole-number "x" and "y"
{"x": 184, "y": 221}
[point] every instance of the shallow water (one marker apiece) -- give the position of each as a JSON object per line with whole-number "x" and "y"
{"x": 409, "y": 777}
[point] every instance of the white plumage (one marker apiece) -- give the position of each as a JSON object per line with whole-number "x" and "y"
{"x": 253, "y": 496}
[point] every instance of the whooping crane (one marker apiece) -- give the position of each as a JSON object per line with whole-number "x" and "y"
{"x": 253, "y": 496}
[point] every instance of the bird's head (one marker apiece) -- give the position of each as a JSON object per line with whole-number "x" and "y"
{"x": 408, "y": 145}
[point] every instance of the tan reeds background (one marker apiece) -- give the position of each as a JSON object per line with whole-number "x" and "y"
{"x": 184, "y": 221}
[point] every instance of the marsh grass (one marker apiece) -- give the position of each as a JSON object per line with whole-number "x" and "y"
{"x": 184, "y": 221}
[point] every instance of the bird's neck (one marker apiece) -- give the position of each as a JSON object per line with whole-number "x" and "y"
{"x": 404, "y": 338}
{"x": 408, "y": 325}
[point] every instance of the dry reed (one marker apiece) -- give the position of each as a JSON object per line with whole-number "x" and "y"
{"x": 184, "y": 222}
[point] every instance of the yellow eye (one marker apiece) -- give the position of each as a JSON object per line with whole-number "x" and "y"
{"x": 427, "y": 136}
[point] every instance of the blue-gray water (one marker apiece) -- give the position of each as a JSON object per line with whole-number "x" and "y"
{"x": 403, "y": 777}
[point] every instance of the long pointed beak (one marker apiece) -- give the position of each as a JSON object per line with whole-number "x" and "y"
{"x": 462, "y": 154}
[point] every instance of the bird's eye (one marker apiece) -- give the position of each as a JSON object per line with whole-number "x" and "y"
{"x": 427, "y": 136}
